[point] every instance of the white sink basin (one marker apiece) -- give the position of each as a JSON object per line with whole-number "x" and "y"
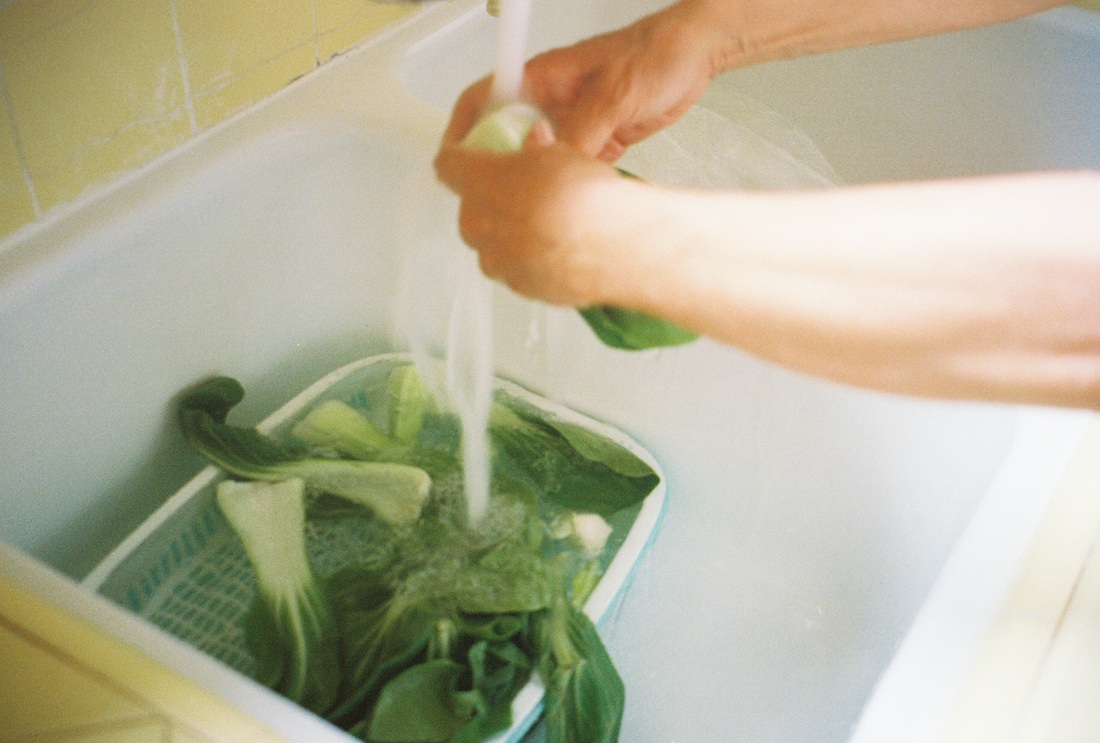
{"x": 806, "y": 522}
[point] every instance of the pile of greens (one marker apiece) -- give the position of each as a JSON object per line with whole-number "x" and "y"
{"x": 430, "y": 633}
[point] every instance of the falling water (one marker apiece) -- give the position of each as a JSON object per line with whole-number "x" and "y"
{"x": 511, "y": 51}
{"x": 467, "y": 378}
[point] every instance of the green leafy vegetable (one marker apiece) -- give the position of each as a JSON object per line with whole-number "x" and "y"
{"x": 584, "y": 694}
{"x": 421, "y": 705}
{"x": 292, "y": 621}
{"x": 534, "y": 452}
{"x": 409, "y": 402}
{"x": 432, "y": 629}
{"x": 396, "y": 492}
{"x": 630, "y": 330}
{"x": 510, "y": 578}
{"x": 336, "y": 425}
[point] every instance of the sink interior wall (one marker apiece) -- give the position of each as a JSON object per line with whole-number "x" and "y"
{"x": 962, "y": 104}
{"x": 262, "y": 265}
{"x": 966, "y": 103}
{"x": 805, "y": 525}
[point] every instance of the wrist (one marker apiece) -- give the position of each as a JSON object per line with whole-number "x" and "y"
{"x": 716, "y": 27}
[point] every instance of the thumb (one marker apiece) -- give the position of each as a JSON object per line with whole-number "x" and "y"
{"x": 453, "y": 164}
{"x": 590, "y": 135}
{"x": 591, "y": 125}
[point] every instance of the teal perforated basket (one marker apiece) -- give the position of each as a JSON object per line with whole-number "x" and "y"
{"x": 185, "y": 571}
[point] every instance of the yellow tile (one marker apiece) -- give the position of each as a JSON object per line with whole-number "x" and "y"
{"x": 180, "y": 734}
{"x": 42, "y": 691}
{"x": 193, "y": 713}
{"x": 253, "y": 85}
{"x": 1091, "y": 4}
{"x": 25, "y": 19}
{"x": 139, "y": 731}
{"x": 341, "y": 24}
{"x": 16, "y": 207}
{"x": 239, "y": 52}
{"x": 95, "y": 88}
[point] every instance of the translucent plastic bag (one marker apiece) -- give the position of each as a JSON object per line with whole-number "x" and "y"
{"x": 732, "y": 143}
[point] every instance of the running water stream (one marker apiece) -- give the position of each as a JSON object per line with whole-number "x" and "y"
{"x": 468, "y": 369}
{"x": 512, "y": 25}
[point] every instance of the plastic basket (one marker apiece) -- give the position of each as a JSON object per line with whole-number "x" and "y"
{"x": 185, "y": 571}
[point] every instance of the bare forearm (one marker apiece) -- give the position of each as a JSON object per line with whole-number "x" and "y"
{"x": 978, "y": 288}
{"x": 753, "y": 31}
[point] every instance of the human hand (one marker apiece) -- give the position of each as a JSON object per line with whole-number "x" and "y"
{"x": 546, "y": 221}
{"x": 608, "y": 92}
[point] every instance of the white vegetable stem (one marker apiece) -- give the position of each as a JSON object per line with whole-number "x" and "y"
{"x": 270, "y": 520}
{"x": 503, "y": 129}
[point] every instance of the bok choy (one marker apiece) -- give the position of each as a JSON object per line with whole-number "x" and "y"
{"x": 396, "y": 492}
{"x": 428, "y": 632}
{"x": 292, "y": 624}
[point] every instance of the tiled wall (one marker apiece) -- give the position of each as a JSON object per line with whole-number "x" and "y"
{"x": 93, "y": 88}
{"x": 90, "y": 89}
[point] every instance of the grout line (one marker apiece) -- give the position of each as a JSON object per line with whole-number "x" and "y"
{"x": 9, "y": 110}
{"x": 234, "y": 77}
{"x": 188, "y": 100}
{"x": 316, "y": 35}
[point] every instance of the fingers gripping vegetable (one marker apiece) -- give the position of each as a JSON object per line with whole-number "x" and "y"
{"x": 505, "y": 130}
{"x": 297, "y": 646}
{"x": 396, "y": 492}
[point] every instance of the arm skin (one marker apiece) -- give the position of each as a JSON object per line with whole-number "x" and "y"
{"x": 608, "y": 92}
{"x": 984, "y": 288}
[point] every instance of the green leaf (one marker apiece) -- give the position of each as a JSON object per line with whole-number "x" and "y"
{"x": 336, "y": 425}
{"x": 586, "y": 442}
{"x": 381, "y": 636}
{"x": 629, "y": 330}
{"x": 395, "y": 492}
{"x": 290, "y": 628}
{"x": 410, "y": 401}
{"x": 500, "y": 670}
{"x": 508, "y": 579}
{"x": 493, "y": 627}
{"x": 241, "y": 451}
{"x": 417, "y": 706}
{"x": 585, "y": 696}
{"x": 304, "y": 665}
{"x": 531, "y": 451}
